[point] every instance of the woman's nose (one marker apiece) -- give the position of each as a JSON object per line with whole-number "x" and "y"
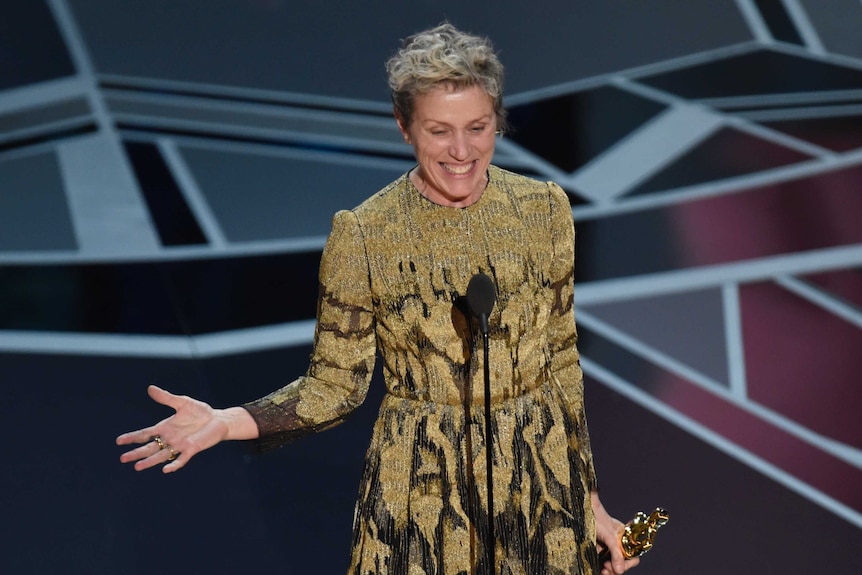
{"x": 458, "y": 147}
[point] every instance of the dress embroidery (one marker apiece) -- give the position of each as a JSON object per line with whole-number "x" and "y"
{"x": 393, "y": 277}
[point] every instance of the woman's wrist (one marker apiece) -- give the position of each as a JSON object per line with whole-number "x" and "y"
{"x": 240, "y": 424}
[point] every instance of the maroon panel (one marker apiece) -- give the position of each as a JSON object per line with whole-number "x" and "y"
{"x": 815, "y": 212}
{"x": 845, "y": 284}
{"x": 802, "y": 361}
{"x": 840, "y": 134}
{"x": 817, "y": 468}
{"x": 725, "y": 517}
{"x": 731, "y": 421}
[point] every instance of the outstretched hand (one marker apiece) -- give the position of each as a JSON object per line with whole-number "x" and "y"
{"x": 608, "y": 531}
{"x": 193, "y": 427}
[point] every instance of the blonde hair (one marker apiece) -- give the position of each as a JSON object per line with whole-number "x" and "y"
{"x": 444, "y": 56}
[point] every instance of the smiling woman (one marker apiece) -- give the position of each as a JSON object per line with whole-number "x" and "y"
{"x": 447, "y": 94}
{"x": 453, "y": 137}
{"x": 393, "y": 279}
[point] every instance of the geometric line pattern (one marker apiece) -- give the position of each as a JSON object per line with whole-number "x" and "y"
{"x": 715, "y": 194}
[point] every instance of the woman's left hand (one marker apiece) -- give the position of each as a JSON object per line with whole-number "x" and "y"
{"x": 608, "y": 531}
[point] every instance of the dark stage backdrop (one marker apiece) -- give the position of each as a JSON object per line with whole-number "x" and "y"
{"x": 168, "y": 173}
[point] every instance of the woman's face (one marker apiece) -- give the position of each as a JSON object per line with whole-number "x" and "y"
{"x": 453, "y": 137}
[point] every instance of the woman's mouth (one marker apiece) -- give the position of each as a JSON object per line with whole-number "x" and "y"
{"x": 458, "y": 170}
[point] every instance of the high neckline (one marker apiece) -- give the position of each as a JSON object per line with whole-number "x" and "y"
{"x": 415, "y": 189}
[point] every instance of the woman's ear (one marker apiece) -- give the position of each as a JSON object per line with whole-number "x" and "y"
{"x": 402, "y": 126}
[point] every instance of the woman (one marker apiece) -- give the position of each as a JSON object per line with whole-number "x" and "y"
{"x": 393, "y": 275}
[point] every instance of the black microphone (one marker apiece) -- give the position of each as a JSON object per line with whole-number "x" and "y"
{"x": 481, "y": 296}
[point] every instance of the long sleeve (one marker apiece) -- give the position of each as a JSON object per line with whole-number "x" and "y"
{"x": 562, "y": 332}
{"x": 342, "y": 361}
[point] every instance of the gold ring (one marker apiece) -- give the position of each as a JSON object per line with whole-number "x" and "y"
{"x": 160, "y": 442}
{"x": 173, "y": 453}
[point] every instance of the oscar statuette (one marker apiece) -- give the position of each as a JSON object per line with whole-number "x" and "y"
{"x": 638, "y": 536}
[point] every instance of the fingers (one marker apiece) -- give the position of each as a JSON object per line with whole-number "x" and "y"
{"x": 621, "y": 564}
{"x": 144, "y": 435}
{"x": 614, "y": 562}
{"x": 153, "y": 445}
{"x": 148, "y": 450}
{"x": 177, "y": 464}
{"x": 609, "y": 569}
{"x": 173, "y": 441}
{"x": 159, "y": 457}
{"x": 626, "y": 565}
{"x": 186, "y": 449}
{"x": 159, "y": 395}
{"x": 618, "y": 568}
{"x": 155, "y": 452}
{"x": 140, "y": 436}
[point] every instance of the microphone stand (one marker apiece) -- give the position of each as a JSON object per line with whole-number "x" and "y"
{"x": 491, "y": 542}
{"x": 481, "y": 295}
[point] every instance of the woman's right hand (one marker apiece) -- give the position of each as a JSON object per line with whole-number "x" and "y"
{"x": 193, "y": 427}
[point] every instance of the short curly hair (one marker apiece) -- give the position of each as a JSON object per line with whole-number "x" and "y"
{"x": 444, "y": 56}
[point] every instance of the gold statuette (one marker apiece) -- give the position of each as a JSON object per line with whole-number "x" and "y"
{"x": 638, "y": 536}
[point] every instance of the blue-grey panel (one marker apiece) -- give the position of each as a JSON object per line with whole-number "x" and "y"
{"x": 73, "y": 108}
{"x": 570, "y": 130}
{"x": 779, "y": 22}
{"x": 727, "y": 153}
{"x": 31, "y": 48}
{"x": 688, "y": 326}
{"x": 338, "y": 48}
{"x": 267, "y": 197}
{"x": 34, "y": 214}
{"x": 837, "y": 23}
{"x": 168, "y": 209}
{"x": 757, "y": 73}
{"x": 168, "y": 298}
{"x": 78, "y": 503}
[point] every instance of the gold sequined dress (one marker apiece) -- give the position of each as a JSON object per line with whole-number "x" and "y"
{"x": 393, "y": 276}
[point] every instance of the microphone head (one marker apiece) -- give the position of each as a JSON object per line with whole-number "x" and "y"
{"x": 481, "y": 295}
